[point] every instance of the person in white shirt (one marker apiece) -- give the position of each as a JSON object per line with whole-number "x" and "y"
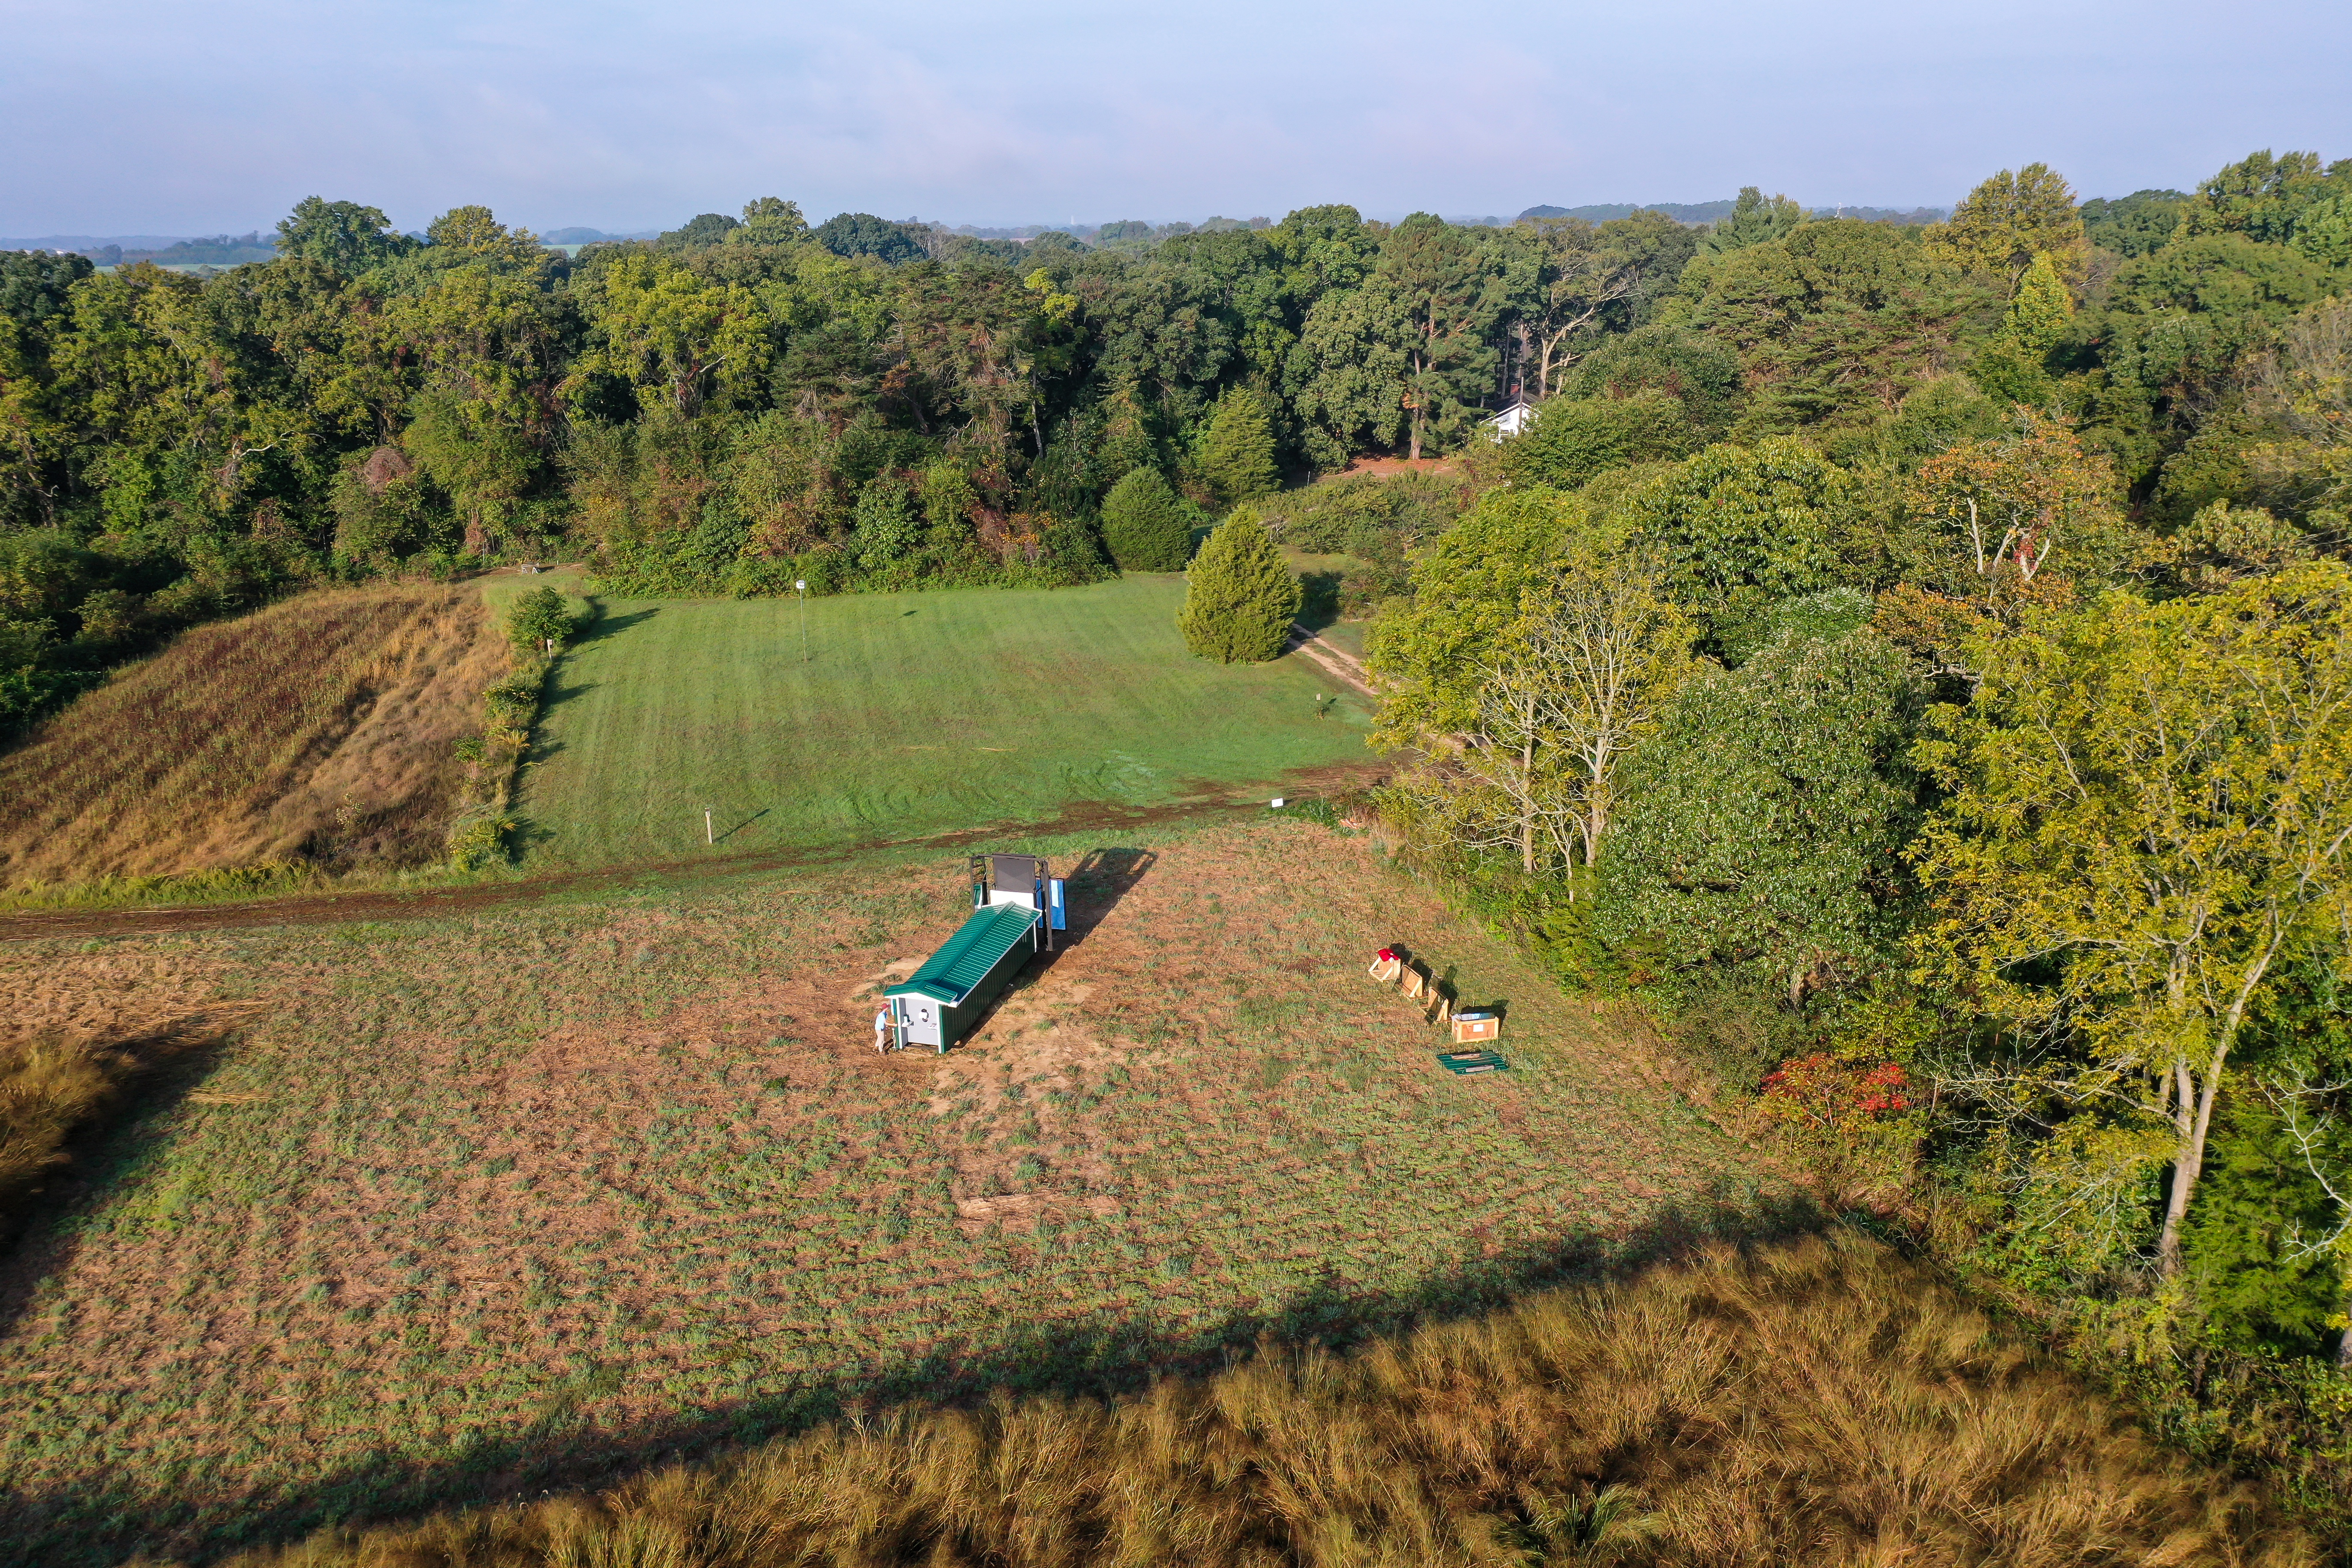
{"x": 882, "y": 1028}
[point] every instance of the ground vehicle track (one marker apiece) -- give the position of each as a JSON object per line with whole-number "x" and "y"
{"x": 370, "y": 904}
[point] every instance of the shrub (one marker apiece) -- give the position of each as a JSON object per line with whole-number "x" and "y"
{"x": 1146, "y": 525}
{"x": 540, "y": 618}
{"x": 1575, "y": 440}
{"x": 1240, "y": 596}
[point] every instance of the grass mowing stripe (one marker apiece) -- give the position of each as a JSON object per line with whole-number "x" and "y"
{"x": 913, "y": 713}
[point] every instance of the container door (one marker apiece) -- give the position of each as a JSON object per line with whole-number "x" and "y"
{"x": 1054, "y": 902}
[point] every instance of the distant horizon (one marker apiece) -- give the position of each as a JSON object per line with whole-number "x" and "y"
{"x": 150, "y": 240}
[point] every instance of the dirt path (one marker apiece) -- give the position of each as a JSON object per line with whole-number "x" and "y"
{"x": 1333, "y": 660}
{"x": 336, "y": 908}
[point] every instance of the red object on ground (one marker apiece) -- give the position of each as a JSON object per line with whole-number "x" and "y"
{"x": 1385, "y": 955}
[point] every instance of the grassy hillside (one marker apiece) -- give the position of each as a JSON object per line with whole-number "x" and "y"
{"x": 322, "y": 727}
{"x": 913, "y": 713}
{"x": 499, "y": 1202}
{"x": 1820, "y": 1404}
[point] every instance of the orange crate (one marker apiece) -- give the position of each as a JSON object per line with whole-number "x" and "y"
{"x": 1468, "y": 1031}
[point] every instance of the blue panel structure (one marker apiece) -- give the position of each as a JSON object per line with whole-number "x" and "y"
{"x": 1054, "y": 903}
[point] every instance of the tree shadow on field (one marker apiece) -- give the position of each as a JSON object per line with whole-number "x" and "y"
{"x": 557, "y": 692}
{"x": 156, "y": 1070}
{"x": 607, "y": 627}
{"x": 1319, "y": 604}
{"x": 1098, "y": 1357}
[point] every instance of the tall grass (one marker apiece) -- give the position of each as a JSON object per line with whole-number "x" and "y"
{"x": 318, "y": 731}
{"x": 53, "y": 1085}
{"x": 1825, "y": 1403}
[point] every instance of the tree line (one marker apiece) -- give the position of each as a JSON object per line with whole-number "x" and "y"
{"x": 746, "y": 402}
{"x": 1923, "y": 667}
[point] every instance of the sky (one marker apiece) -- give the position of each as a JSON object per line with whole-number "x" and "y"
{"x": 164, "y": 116}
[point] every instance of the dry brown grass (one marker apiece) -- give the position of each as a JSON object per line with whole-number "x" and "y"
{"x": 55, "y": 1084}
{"x": 318, "y": 731}
{"x": 1825, "y": 1403}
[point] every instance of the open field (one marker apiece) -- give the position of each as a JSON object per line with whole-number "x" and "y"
{"x": 487, "y": 1205}
{"x": 322, "y": 727}
{"x": 1821, "y": 1402}
{"x": 914, "y": 713}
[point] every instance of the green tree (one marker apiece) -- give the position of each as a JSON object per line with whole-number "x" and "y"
{"x": 1240, "y": 595}
{"x": 1740, "y": 527}
{"x": 1569, "y": 690}
{"x": 1751, "y": 221}
{"x": 2249, "y": 1245}
{"x": 1759, "y": 828}
{"x": 1838, "y": 322}
{"x": 2001, "y": 226}
{"x": 2147, "y": 809}
{"x": 1146, "y": 525}
{"x": 476, "y": 233}
{"x": 1578, "y": 277}
{"x": 1348, "y": 376}
{"x": 345, "y": 235}
{"x": 1573, "y": 440}
{"x": 540, "y": 621}
{"x": 770, "y": 220}
{"x": 2264, "y": 196}
{"x": 1237, "y": 451}
{"x": 1437, "y": 281}
{"x": 2039, "y": 310}
{"x": 2133, "y": 225}
{"x": 2324, "y": 231}
{"x": 703, "y": 228}
{"x": 2006, "y": 510}
{"x": 676, "y": 337}
{"x": 1468, "y": 593}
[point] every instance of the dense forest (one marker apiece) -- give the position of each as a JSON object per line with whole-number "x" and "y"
{"x": 741, "y": 404}
{"x": 1916, "y": 658}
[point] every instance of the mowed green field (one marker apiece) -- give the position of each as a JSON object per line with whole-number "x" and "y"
{"x": 913, "y": 713}
{"x": 467, "y": 1208}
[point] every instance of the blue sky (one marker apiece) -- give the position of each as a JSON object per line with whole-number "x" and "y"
{"x": 135, "y": 116}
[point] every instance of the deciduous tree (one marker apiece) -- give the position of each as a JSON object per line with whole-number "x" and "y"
{"x": 345, "y": 235}
{"x": 1760, "y": 826}
{"x": 2001, "y": 226}
{"x": 2018, "y": 513}
{"x": 2148, "y": 811}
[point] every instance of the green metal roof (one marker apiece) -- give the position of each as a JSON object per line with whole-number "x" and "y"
{"x": 948, "y": 974}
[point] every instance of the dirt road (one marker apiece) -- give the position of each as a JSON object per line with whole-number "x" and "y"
{"x": 368, "y": 904}
{"x": 1329, "y": 658}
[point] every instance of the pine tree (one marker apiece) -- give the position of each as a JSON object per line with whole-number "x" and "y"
{"x": 1238, "y": 454}
{"x": 1240, "y": 595}
{"x": 1146, "y": 525}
